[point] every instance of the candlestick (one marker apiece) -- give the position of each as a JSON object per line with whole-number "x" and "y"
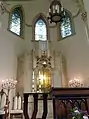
{"x": 8, "y": 84}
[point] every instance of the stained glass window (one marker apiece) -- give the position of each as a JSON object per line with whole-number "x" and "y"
{"x": 16, "y": 21}
{"x": 40, "y": 30}
{"x": 66, "y": 27}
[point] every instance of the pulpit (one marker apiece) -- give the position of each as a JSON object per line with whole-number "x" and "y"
{"x": 64, "y": 99}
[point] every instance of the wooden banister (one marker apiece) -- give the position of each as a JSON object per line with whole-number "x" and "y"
{"x": 35, "y": 96}
{"x": 26, "y": 95}
{"x": 63, "y": 100}
{"x": 44, "y": 106}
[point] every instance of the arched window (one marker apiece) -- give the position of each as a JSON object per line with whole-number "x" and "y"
{"x": 40, "y": 30}
{"x": 66, "y": 26}
{"x": 16, "y": 21}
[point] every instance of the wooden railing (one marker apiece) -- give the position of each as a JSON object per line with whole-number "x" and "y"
{"x": 35, "y": 97}
{"x": 63, "y": 100}
{"x": 44, "y": 106}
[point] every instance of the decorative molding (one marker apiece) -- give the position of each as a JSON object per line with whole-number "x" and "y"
{"x": 3, "y": 7}
{"x": 50, "y": 26}
{"x": 80, "y": 5}
{"x": 28, "y": 25}
{"x": 84, "y": 16}
{"x": 78, "y": 12}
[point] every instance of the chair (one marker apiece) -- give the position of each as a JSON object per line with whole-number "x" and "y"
{"x": 17, "y": 111}
{"x": 2, "y": 104}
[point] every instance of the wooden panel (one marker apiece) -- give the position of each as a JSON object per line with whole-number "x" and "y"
{"x": 70, "y": 91}
{"x": 64, "y": 99}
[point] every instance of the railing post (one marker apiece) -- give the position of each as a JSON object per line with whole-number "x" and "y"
{"x": 35, "y": 96}
{"x": 54, "y": 109}
{"x": 44, "y": 106}
{"x": 26, "y": 106}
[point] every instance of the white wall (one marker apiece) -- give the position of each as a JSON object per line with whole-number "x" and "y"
{"x": 8, "y": 61}
{"x": 74, "y": 48}
{"x": 10, "y": 47}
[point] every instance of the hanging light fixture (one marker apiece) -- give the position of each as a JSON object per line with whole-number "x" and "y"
{"x": 56, "y": 12}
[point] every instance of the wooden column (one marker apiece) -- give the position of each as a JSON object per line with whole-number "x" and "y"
{"x": 26, "y": 106}
{"x": 44, "y": 106}
{"x": 35, "y": 96}
{"x": 54, "y": 109}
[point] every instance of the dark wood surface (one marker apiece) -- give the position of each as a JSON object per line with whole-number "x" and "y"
{"x": 45, "y": 108}
{"x": 70, "y": 91}
{"x": 64, "y": 99}
{"x": 26, "y": 95}
{"x": 35, "y": 97}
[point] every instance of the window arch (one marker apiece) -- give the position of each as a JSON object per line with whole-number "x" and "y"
{"x": 16, "y": 21}
{"x": 66, "y": 26}
{"x": 40, "y": 28}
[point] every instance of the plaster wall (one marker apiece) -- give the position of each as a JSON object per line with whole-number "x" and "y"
{"x": 74, "y": 48}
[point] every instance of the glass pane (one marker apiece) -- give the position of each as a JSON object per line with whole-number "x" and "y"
{"x": 40, "y": 30}
{"x": 66, "y": 29}
{"x": 44, "y": 80}
{"x": 15, "y": 24}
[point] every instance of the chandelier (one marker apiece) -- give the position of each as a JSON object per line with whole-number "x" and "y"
{"x": 56, "y": 12}
{"x": 8, "y": 84}
{"x": 75, "y": 83}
